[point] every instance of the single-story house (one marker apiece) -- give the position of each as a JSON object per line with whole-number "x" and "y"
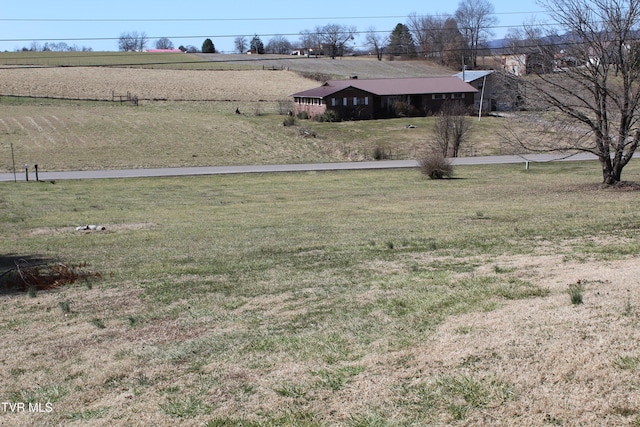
{"x": 361, "y": 99}
{"x": 484, "y": 82}
{"x": 302, "y": 52}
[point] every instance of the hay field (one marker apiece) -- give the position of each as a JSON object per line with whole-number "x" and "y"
{"x": 98, "y": 83}
{"x": 194, "y": 125}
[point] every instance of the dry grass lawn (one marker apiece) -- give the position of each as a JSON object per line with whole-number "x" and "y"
{"x": 538, "y": 361}
{"x": 352, "y": 299}
{"x": 571, "y": 363}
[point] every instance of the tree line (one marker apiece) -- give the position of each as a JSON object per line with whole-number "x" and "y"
{"x": 446, "y": 39}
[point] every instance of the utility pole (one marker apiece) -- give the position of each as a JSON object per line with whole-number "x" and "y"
{"x": 13, "y": 161}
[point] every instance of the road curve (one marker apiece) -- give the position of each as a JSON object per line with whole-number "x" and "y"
{"x": 307, "y": 167}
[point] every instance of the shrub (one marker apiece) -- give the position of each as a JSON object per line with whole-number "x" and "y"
{"x": 289, "y": 121}
{"x": 436, "y": 166}
{"x": 400, "y": 108}
{"x": 380, "y": 153}
{"x": 329, "y": 116}
{"x": 319, "y": 77}
{"x": 303, "y": 115}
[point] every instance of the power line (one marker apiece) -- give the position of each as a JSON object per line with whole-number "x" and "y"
{"x": 223, "y": 36}
{"x": 220, "y": 36}
{"x": 315, "y": 18}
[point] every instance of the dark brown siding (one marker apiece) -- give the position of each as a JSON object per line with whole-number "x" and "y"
{"x": 351, "y": 104}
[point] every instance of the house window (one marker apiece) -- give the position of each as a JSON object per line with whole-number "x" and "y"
{"x": 334, "y": 102}
{"x": 457, "y": 96}
{"x": 438, "y": 96}
{"x": 361, "y": 101}
{"x": 344, "y": 101}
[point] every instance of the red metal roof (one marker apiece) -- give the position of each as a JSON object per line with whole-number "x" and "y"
{"x": 389, "y": 87}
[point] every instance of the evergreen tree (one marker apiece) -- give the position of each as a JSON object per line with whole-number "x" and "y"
{"x": 256, "y": 45}
{"x": 208, "y": 46}
{"x": 401, "y": 42}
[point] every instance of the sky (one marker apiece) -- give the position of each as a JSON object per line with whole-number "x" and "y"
{"x": 98, "y": 25}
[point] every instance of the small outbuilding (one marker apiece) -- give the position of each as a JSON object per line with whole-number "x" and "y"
{"x": 485, "y": 82}
{"x": 363, "y": 99}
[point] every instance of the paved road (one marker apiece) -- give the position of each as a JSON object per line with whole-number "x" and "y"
{"x": 222, "y": 170}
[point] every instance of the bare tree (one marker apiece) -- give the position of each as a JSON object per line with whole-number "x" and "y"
{"x": 127, "y": 42}
{"x": 310, "y": 41}
{"x": 422, "y": 28}
{"x": 592, "y": 86}
{"x": 132, "y": 41}
{"x": 475, "y": 19}
{"x": 279, "y": 44}
{"x": 143, "y": 40}
{"x": 377, "y": 41}
{"x": 164, "y": 43}
{"x": 438, "y": 38}
{"x": 335, "y": 38}
{"x": 240, "y": 43}
{"x": 452, "y": 127}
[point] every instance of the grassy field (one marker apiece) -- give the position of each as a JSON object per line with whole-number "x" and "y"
{"x": 341, "y": 68}
{"x": 80, "y": 135}
{"x": 186, "y": 117}
{"x": 172, "y": 61}
{"x": 317, "y": 299}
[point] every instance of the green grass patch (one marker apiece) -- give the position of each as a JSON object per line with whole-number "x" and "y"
{"x": 458, "y": 395}
{"x": 185, "y": 407}
{"x": 630, "y": 363}
{"x": 89, "y": 414}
